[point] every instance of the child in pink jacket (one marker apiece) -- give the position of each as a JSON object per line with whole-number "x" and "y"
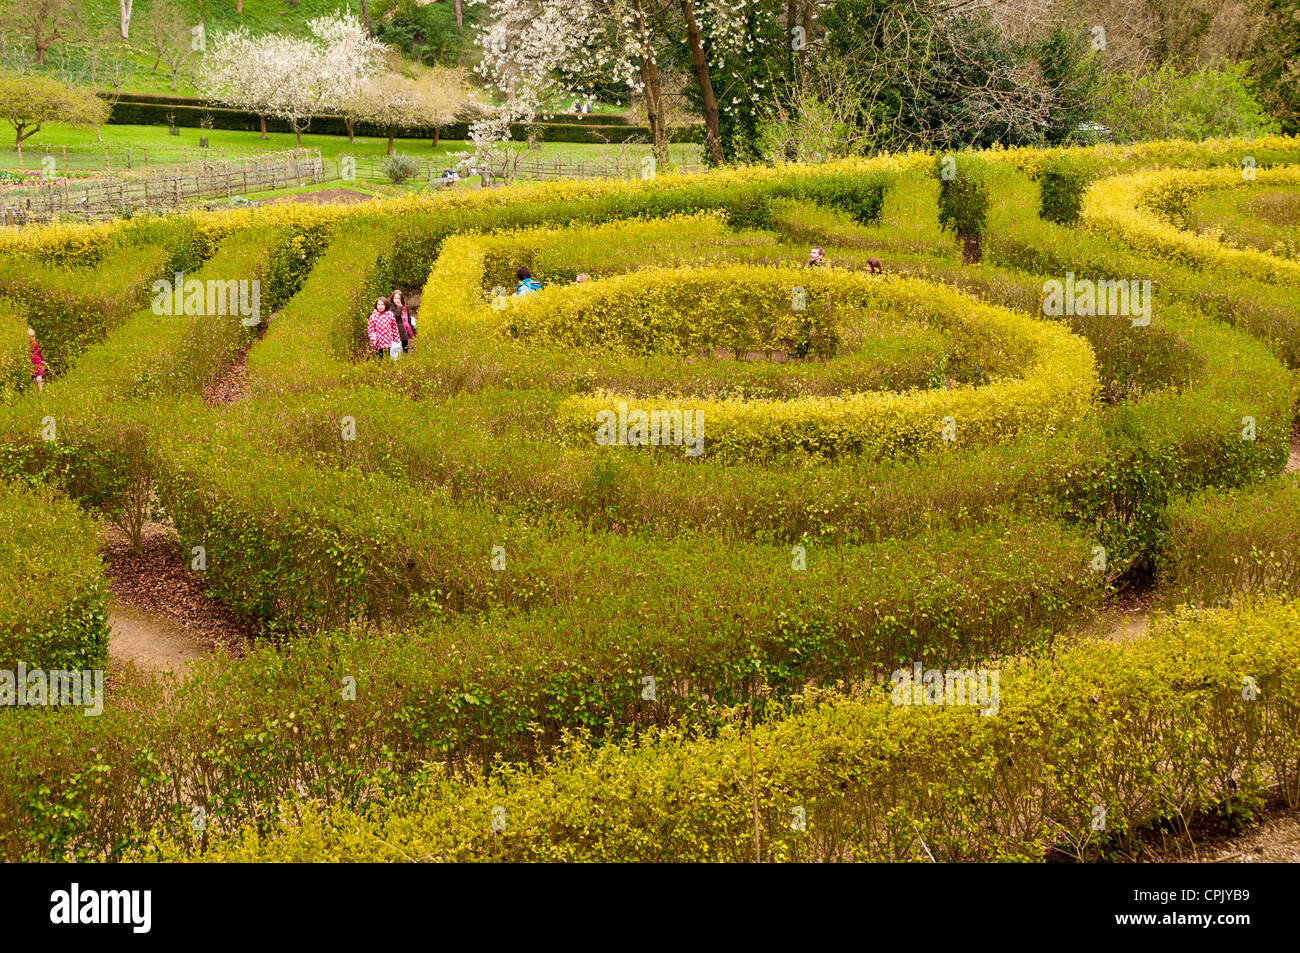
{"x": 38, "y": 362}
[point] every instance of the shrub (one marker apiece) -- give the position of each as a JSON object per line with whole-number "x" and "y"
{"x": 72, "y": 308}
{"x": 1170, "y": 103}
{"x": 399, "y": 167}
{"x": 1153, "y": 730}
{"x": 1063, "y": 181}
{"x": 15, "y": 361}
{"x": 1124, "y": 207}
{"x": 963, "y": 203}
{"x": 1227, "y": 544}
{"x": 53, "y": 594}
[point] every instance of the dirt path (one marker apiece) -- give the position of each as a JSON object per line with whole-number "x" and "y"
{"x": 323, "y": 197}
{"x": 162, "y": 616}
{"x": 1275, "y": 839}
{"x": 1121, "y": 621}
{"x": 233, "y": 385}
{"x": 1293, "y": 464}
{"x": 152, "y": 641}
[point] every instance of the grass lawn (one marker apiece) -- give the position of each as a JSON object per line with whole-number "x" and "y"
{"x": 165, "y": 150}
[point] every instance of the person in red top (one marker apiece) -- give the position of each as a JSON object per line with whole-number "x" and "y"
{"x": 405, "y": 323}
{"x": 38, "y": 362}
{"x": 382, "y": 327}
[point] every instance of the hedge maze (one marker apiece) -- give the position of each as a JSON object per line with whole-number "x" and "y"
{"x": 531, "y": 590}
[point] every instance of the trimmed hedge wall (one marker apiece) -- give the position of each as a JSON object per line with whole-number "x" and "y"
{"x": 192, "y": 116}
{"x": 53, "y": 592}
{"x": 1151, "y": 730}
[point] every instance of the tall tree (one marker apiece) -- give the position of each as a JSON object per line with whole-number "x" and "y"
{"x": 29, "y": 102}
{"x": 708, "y": 100}
{"x": 40, "y": 22}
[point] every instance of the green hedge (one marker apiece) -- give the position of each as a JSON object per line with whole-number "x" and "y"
{"x": 1153, "y": 730}
{"x": 53, "y": 592}
{"x": 15, "y": 352}
{"x": 1228, "y": 543}
{"x": 72, "y": 308}
{"x": 216, "y": 117}
{"x": 510, "y": 684}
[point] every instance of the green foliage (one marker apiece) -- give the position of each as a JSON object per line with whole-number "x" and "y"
{"x": 53, "y": 593}
{"x": 353, "y": 509}
{"x": 963, "y": 202}
{"x": 1171, "y": 103}
{"x": 399, "y": 167}
{"x": 1072, "y": 72}
{"x": 1063, "y": 182}
{"x": 1153, "y": 730}
{"x": 1228, "y": 543}
{"x": 425, "y": 32}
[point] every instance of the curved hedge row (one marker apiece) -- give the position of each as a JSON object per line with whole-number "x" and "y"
{"x": 1146, "y": 731}
{"x": 1149, "y": 209}
{"x": 748, "y": 309}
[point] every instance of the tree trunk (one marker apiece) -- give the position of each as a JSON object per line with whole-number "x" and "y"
{"x": 791, "y": 16}
{"x": 436, "y": 133}
{"x": 459, "y": 6}
{"x": 262, "y": 119}
{"x": 390, "y": 140}
{"x": 351, "y": 124}
{"x": 712, "y": 124}
{"x": 365, "y": 18}
{"x": 297, "y": 134}
{"x": 807, "y": 28}
{"x": 124, "y": 9}
{"x": 654, "y": 98}
{"x": 239, "y": 6}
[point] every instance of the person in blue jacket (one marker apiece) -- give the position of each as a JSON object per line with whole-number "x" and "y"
{"x": 527, "y": 283}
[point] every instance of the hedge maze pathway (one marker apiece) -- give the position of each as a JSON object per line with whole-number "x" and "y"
{"x": 564, "y": 512}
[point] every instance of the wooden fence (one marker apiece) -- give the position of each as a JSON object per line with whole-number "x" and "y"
{"x": 111, "y": 197}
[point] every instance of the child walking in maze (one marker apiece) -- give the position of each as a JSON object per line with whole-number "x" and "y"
{"x": 405, "y": 323}
{"x": 381, "y": 329}
{"x": 38, "y": 361}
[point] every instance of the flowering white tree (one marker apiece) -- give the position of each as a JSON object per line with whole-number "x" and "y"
{"x": 292, "y": 78}
{"x": 237, "y": 70}
{"x": 536, "y": 52}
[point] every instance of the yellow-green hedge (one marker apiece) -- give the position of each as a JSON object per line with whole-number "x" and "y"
{"x": 1143, "y": 209}
{"x": 1056, "y": 390}
{"x": 1202, "y": 714}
